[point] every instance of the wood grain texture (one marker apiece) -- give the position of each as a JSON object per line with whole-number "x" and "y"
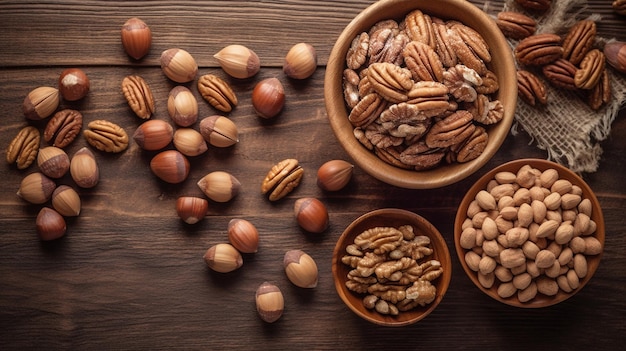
{"x": 129, "y": 274}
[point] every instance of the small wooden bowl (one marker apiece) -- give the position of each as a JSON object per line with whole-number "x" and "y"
{"x": 390, "y": 217}
{"x": 502, "y": 64}
{"x": 542, "y": 165}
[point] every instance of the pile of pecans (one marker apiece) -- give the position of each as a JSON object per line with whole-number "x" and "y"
{"x": 420, "y": 91}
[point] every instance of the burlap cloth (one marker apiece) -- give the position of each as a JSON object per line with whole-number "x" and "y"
{"x": 567, "y": 128}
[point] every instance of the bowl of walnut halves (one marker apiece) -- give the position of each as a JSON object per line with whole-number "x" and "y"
{"x": 421, "y": 93}
{"x": 391, "y": 267}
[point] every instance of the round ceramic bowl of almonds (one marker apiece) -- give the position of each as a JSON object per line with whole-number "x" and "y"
{"x": 529, "y": 233}
{"x": 391, "y": 267}
{"x": 421, "y": 93}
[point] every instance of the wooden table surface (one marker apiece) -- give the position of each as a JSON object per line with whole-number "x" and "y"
{"x": 130, "y": 275}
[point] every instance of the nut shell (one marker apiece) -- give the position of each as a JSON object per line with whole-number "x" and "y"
{"x": 40, "y": 103}
{"x": 136, "y": 38}
{"x": 189, "y": 142}
{"x": 36, "y": 188}
{"x": 191, "y": 209}
{"x": 66, "y": 201}
{"x": 170, "y": 166}
{"x": 300, "y": 61}
{"x": 84, "y": 168}
{"x": 270, "y": 302}
{"x": 334, "y": 175}
{"x": 178, "y": 65}
{"x": 268, "y": 98}
{"x": 153, "y": 135}
{"x": 53, "y": 161}
{"x": 219, "y": 131}
{"x": 223, "y": 258}
{"x": 238, "y": 61}
{"x": 73, "y": 84}
{"x": 615, "y": 53}
{"x": 300, "y": 268}
{"x": 219, "y": 186}
{"x": 243, "y": 235}
{"x": 182, "y": 106}
{"x": 311, "y": 214}
{"x": 50, "y": 224}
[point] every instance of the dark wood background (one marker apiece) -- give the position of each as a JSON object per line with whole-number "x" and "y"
{"x": 130, "y": 275}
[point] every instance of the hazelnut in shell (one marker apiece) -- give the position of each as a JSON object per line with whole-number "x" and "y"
{"x": 243, "y": 235}
{"x": 615, "y": 53}
{"x": 50, "y": 224}
{"x": 73, "y": 84}
{"x": 182, "y": 106}
{"x": 219, "y": 186}
{"x": 84, "y": 168}
{"x": 66, "y": 201}
{"x": 223, "y": 258}
{"x": 189, "y": 142}
{"x": 300, "y": 268}
{"x": 178, "y": 65}
{"x": 311, "y": 214}
{"x": 219, "y": 131}
{"x": 40, "y": 103}
{"x": 238, "y": 61}
{"x": 270, "y": 302}
{"x": 36, "y": 188}
{"x": 53, "y": 161}
{"x": 191, "y": 209}
{"x": 334, "y": 175}
{"x": 154, "y": 134}
{"x": 268, "y": 97}
{"x": 136, "y": 38}
{"x": 170, "y": 166}
{"x": 300, "y": 61}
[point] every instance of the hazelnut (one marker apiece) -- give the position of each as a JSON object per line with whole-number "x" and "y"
{"x": 182, "y": 106}
{"x": 36, "y": 188}
{"x": 178, "y": 65}
{"x": 311, "y": 214}
{"x": 84, "y": 168}
{"x": 300, "y": 269}
{"x": 40, "y": 103}
{"x": 243, "y": 235}
{"x": 170, "y": 166}
{"x": 66, "y": 201}
{"x": 334, "y": 175}
{"x": 219, "y": 186}
{"x": 269, "y": 302}
{"x": 301, "y": 61}
{"x": 268, "y": 97}
{"x": 238, "y": 61}
{"x": 223, "y": 258}
{"x": 615, "y": 53}
{"x": 50, "y": 224}
{"x": 189, "y": 142}
{"x": 53, "y": 161}
{"x": 73, "y": 84}
{"x": 191, "y": 209}
{"x": 219, "y": 131}
{"x": 136, "y": 38}
{"x": 153, "y": 134}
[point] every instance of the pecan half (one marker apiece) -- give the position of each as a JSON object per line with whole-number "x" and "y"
{"x": 422, "y": 157}
{"x": 282, "y": 178}
{"x": 217, "y": 92}
{"x": 539, "y": 49}
{"x": 392, "y": 156}
{"x": 539, "y": 5}
{"x": 139, "y": 96}
{"x": 106, "y": 136}
{"x": 450, "y": 130}
{"x": 590, "y": 70}
{"x": 24, "y": 147}
{"x": 489, "y": 85}
{"x": 419, "y": 27}
{"x": 357, "y": 53}
{"x": 619, "y": 6}
{"x": 473, "y": 39}
{"x": 516, "y": 25}
{"x": 444, "y": 49}
{"x": 578, "y": 41}
{"x": 386, "y": 45}
{"x": 464, "y": 53}
{"x": 351, "y": 82}
{"x": 473, "y": 146}
{"x": 63, "y": 128}
{"x": 392, "y": 82}
{"x": 560, "y": 73}
{"x": 600, "y": 94}
{"x": 461, "y": 81}
{"x": 530, "y": 89}
{"x": 367, "y": 110}
{"x": 486, "y": 111}
{"x": 423, "y": 62}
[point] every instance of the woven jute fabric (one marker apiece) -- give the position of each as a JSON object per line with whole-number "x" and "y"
{"x": 567, "y": 128}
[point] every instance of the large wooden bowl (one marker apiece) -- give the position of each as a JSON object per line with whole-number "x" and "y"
{"x": 390, "y": 217}
{"x": 503, "y": 65}
{"x": 592, "y": 260}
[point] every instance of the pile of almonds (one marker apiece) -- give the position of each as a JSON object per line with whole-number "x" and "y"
{"x": 188, "y": 137}
{"x": 571, "y": 62}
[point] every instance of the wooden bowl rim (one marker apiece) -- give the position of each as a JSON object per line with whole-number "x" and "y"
{"x": 390, "y": 217}
{"x": 443, "y": 175}
{"x": 564, "y": 173}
